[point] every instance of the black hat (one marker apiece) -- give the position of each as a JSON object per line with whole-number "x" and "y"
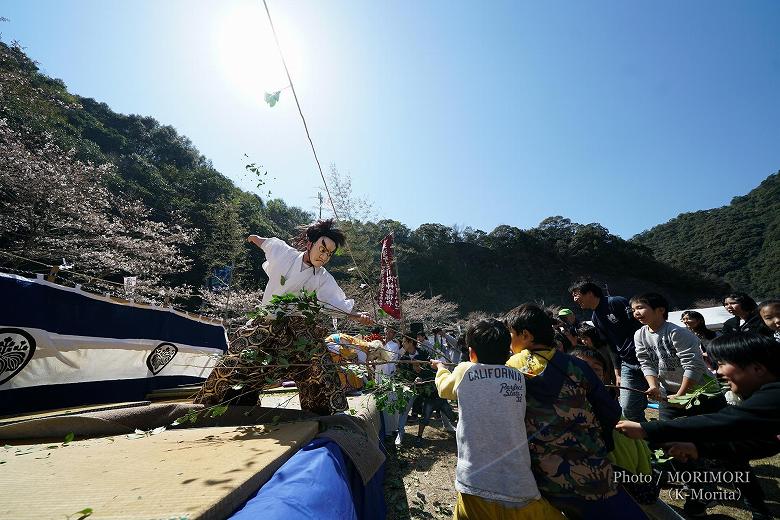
{"x": 416, "y": 328}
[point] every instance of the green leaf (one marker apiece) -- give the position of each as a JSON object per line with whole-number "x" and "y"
{"x": 282, "y": 280}
{"x": 181, "y": 420}
{"x": 660, "y": 456}
{"x": 272, "y": 99}
{"x": 218, "y": 410}
{"x": 69, "y": 437}
{"x": 87, "y": 511}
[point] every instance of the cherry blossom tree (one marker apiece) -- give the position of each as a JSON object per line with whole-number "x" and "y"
{"x": 53, "y": 206}
{"x": 433, "y": 312}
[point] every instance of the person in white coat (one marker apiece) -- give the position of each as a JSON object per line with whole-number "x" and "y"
{"x": 290, "y": 270}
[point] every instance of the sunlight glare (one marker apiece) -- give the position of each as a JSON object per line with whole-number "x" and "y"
{"x": 247, "y": 55}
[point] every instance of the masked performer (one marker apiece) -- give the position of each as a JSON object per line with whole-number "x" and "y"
{"x": 294, "y": 338}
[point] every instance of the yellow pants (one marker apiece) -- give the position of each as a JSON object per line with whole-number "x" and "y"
{"x": 471, "y": 507}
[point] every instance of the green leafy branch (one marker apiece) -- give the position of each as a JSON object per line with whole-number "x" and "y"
{"x": 392, "y": 394}
{"x": 303, "y": 303}
{"x": 710, "y": 389}
{"x": 192, "y": 415}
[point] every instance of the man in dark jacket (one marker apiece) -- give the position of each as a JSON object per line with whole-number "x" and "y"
{"x": 614, "y": 321}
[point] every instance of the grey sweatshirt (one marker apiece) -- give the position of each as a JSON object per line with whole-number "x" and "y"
{"x": 670, "y": 354}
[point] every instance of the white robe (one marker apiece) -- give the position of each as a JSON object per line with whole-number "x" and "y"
{"x": 285, "y": 261}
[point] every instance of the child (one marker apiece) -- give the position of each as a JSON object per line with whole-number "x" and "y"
{"x": 670, "y": 357}
{"x": 569, "y": 419}
{"x": 770, "y": 313}
{"x": 673, "y": 365}
{"x": 631, "y": 457}
{"x": 696, "y": 324}
{"x": 750, "y": 363}
{"x": 588, "y": 336}
{"x": 493, "y": 476}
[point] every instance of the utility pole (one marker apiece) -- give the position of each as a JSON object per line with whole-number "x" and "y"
{"x": 319, "y": 196}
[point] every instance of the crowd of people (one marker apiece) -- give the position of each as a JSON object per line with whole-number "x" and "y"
{"x": 552, "y": 412}
{"x": 552, "y": 416}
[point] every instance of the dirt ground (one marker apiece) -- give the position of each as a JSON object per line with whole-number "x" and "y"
{"x": 419, "y": 480}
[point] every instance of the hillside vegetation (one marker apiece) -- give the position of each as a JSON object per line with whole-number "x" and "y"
{"x": 739, "y": 242}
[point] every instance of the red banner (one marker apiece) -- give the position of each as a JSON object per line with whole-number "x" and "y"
{"x": 389, "y": 297}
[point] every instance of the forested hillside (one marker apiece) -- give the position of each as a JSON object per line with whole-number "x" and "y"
{"x": 739, "y": 242}
{"x": 496, "y": 270}
{"x": 123, "y": 195}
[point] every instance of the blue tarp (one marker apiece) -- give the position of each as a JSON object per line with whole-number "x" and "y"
{"x": 317, "y": 482}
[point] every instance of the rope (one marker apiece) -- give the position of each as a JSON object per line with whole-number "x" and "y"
{"x": 94, "y": 278}
{"x": 91, "y": 279}
{"x": 314, "y": 152}
{"x": 344, "y": 363}
{"x": 634, "y": 390}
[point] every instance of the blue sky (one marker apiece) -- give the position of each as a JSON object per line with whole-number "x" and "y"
{"x": 479, "y": 114}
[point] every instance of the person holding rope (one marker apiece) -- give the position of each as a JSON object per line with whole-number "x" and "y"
{"x": 293, "y": 338}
